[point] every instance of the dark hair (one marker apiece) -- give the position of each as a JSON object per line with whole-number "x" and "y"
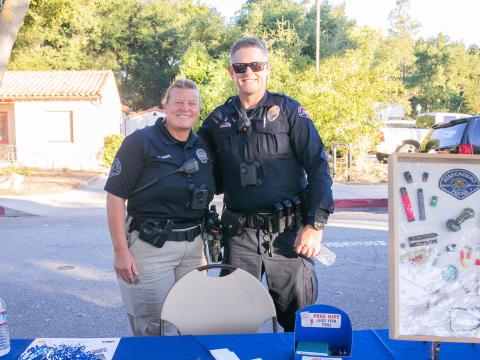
{"x": 180, "y": 84}
{"x": 248, "y": 43}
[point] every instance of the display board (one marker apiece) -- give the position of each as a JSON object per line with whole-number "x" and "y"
{"x": 434, "y": 255}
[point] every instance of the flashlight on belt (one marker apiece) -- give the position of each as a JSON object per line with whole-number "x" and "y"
{"x": 287, "y": 204}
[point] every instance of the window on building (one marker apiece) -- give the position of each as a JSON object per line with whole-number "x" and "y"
{"x": 3, "y": 128}
{"x": 59, "y": 126}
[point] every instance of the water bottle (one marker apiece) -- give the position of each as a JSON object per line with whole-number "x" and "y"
{"x": 4, "y": 337}
{"x": 325, "y": 256}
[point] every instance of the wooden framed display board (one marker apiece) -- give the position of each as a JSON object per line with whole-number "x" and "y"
{"x": 434, "y": 255}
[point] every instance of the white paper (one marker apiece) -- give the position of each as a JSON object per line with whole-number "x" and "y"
{"x": 224, "y": 354}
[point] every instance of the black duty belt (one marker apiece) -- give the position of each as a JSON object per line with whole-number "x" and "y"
{"x": 187, "y": 234}
{"x": 259, "y": 221}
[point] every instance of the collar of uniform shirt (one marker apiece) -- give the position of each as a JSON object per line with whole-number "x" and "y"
{"x": 267, "y": 100}
{"x": 169, "y": 139}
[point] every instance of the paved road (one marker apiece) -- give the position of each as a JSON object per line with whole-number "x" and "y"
{"x": 58, "y": 280}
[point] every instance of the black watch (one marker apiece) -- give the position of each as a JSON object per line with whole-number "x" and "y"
{"x": 318, "y": 225}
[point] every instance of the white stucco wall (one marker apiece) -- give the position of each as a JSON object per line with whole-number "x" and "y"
{"x": 92, "y": 121}
{"x": 140, "y": 122}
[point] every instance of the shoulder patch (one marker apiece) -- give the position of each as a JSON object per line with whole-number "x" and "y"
{"x": 459, "y": 183}
{"x": 116, "y": 168}
{"x": 202, "y": 155}
{"x": 225, "y": 123}
{"x": 302, "y": 112}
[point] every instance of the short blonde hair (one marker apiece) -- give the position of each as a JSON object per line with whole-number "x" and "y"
{"x": 248, "y": 43}
{"x": 180, "y": 84}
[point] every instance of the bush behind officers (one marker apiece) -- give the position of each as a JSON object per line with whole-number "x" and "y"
{"x": 165, "y": 172}
{"x": 267, "y": 153}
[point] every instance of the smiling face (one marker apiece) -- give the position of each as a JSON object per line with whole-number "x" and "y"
{"x": 250, "y": 83}
{"x": 182, "y": 110}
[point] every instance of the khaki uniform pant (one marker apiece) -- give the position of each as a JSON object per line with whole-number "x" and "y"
{"x": 159, "y": 269}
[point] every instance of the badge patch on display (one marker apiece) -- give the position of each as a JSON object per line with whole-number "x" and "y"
{"x": 273, "y": 112}
{"x": 303, "y": 113}
{"x": 202, "y": 156}
{"x": 225, "y": 123}
{"x": 116, "y": 168}
{"x": 459, "y": 183}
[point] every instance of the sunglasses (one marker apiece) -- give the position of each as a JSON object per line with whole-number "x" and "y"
{"x": 241, "y": 68}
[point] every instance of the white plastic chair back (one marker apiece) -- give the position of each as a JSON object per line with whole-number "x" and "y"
{"x": 232, "y": 304}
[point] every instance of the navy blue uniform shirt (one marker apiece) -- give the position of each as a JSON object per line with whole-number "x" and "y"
{"x": 149, "y": 153}
{"x": 284, "y": 141}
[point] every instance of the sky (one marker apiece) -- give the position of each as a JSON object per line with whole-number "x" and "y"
{"x": 455, "y": 18}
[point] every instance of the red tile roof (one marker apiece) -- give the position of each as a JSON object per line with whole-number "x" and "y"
{"x": 53, "y": 85}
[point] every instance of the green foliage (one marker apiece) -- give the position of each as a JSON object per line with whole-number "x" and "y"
{"x": 111, "y": 144}
{"x": 209, "y": 74}
{"x": 445, "y": 76}
{"x": 148, "y": 43}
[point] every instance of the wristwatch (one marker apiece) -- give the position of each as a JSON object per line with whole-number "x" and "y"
{"x": 318, "y": 225}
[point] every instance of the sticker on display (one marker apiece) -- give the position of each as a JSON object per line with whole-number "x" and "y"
{"x": 459, "y": 183}
{"x": 416, "y": 258}
{"x": 321, "y": 320}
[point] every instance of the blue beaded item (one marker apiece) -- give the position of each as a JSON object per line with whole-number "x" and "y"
{"x": 61, "y": 352}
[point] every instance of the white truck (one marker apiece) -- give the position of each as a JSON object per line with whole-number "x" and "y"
{"x": 407, "y": 135}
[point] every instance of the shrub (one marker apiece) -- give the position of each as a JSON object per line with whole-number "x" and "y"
{"x": 20, "y": 170}
{"x": 111, "y": 144}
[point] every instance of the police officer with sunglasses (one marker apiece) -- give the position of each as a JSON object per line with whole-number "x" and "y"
{"x": 272, "y": 168}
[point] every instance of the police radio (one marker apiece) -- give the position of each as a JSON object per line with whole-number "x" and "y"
{"x": 189, "y": 167}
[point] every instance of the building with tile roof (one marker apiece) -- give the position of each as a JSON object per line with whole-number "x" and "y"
{"x": 57, "y": 119}
{"x": 140, "y": 119}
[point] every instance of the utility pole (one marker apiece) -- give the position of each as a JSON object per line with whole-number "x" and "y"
{"x": 318, "y": 38}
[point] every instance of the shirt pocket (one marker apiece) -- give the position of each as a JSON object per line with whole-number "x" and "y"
{"x": 227, "y": 141}
{"x": 273, "y": 141}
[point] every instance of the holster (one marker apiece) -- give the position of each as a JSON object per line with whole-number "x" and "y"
{"x": 233, "y": 223}
{"x": 152, "y": 232}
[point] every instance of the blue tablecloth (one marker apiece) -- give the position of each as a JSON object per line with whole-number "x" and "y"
{"x": 367, "y": 345}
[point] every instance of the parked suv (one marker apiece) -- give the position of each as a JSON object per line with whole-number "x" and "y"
{"x": 461, "y": 136}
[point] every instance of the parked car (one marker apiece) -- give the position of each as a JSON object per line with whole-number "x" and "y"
{"x": 427, "y": 120}
{"x": 399, "y": 136}
{"x": 460, "y": 136}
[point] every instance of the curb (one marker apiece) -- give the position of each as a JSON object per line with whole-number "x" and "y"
{"x": 360, "y": 203}
{"x": 7, "y": 212}
{"x": 354, "y": 204}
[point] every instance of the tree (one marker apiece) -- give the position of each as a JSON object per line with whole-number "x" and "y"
{"x": 209, "y": 74}
{"x": 403, "y": 27}
{"x": 335, "y": 31}
{"x": 12, "y": 13}
{"x": 141, "y": 41}
{"x": 443, "y": 75}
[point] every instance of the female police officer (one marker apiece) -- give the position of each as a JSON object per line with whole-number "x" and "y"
{"x": 165, "y": 173}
